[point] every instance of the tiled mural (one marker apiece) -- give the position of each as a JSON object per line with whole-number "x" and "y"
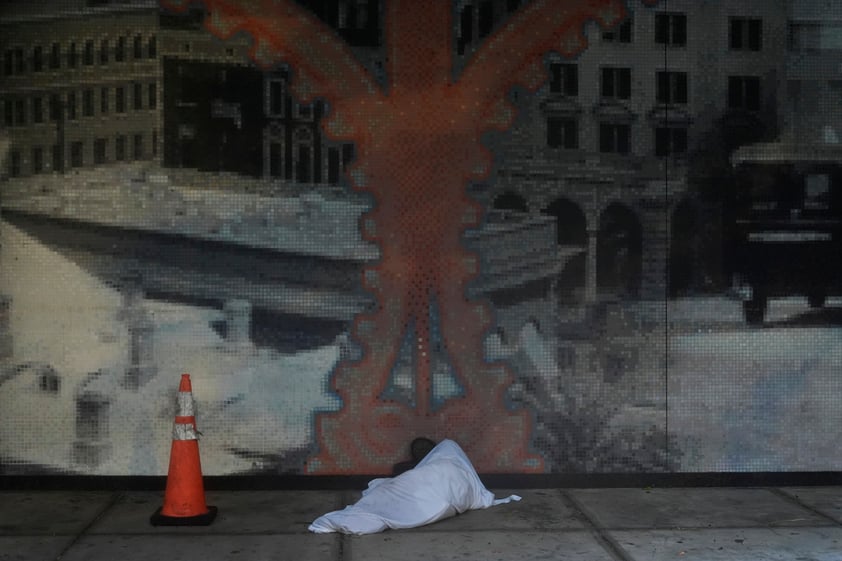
{"x": 575, "y": 236}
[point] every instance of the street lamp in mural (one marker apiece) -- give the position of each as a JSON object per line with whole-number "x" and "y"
{"x": 418, "y": 144}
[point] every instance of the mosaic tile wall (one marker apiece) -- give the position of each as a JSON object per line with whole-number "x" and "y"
{"x": 576, "y": 236}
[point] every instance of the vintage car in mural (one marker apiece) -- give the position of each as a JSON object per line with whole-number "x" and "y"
{"x": 788, "y": 233}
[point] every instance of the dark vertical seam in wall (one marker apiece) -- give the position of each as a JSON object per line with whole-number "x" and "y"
{"x": 667, "y": 260}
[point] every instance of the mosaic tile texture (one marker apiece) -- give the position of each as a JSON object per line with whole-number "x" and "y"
{"x": 575, "y": 236}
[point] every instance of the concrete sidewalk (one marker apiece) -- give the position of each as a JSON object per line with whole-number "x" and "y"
{"x": 705, "y": 524}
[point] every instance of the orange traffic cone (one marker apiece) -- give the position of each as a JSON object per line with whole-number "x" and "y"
{"x": 184, "y": 499}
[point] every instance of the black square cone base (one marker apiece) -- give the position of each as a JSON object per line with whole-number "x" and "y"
{"x": 159, "y": 519}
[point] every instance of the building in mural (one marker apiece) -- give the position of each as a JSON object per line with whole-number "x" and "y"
{"x": 222, "y": 113}
{"x": 81, "y": 86}
{"x": 809, "y": 110}
{"x": 643, "y": 103}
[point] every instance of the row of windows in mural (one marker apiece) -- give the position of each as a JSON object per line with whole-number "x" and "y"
{"x": 291, "y": 152}
{"x": 744, "y": 93}
{"x": 71, "y": 105}
{"x": 294, "y": 157}
{"x": 59, "y": 110}
{"x": 670, "y": 28}
{"x": 121, "y": 148}
{"x": 562, "y": 132}
{"x": 19, "y": 61}
{"x": 745, "y": 34}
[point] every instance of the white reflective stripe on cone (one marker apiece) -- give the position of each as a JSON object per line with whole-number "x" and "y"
{"x": 184, "y": 431}
{"x": 186, "y": 406}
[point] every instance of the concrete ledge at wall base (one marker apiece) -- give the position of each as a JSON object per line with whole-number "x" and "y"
{"x": 61, "y": 481}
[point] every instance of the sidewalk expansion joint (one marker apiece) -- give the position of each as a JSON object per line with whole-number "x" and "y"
{"x": 795, "y": 500}
{"x": 115, "y": 498}
{"x": 598, "y": 532}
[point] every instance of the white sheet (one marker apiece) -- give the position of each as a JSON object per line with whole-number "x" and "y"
{"x": 443, "y": 484}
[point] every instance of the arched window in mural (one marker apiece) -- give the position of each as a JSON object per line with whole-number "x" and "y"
{"x": 338, "y": 160}
{"x": 619, "y": 251}
{"x": 683, "y": 257}
{"x": 276, "y": 157}
{"x": 274, "y": 150}
{"x": 303, "y": 155}
{"x": 572, "y": 235}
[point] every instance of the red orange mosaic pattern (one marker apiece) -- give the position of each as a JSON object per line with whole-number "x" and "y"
{"x": 418, "y": 144}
